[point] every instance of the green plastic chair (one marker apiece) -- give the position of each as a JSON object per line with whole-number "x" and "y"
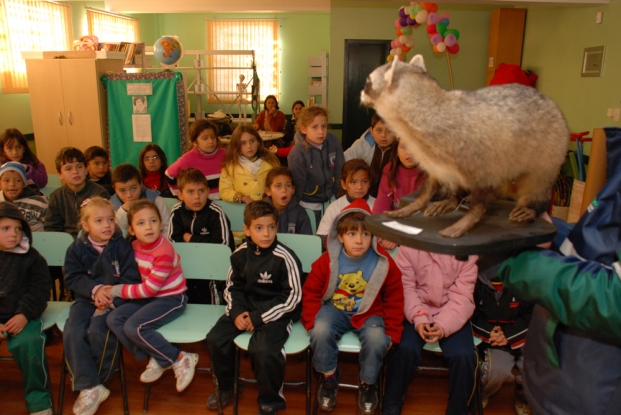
{"x": 170, "y": 202}
{"x": 235, "y": 213}
{"x": 313, "y": 220}
{"x": 53, "y": 180}
{"x": 202, "y": 262}
{"x": 53, "y": 247}
{"x": 308, "y": 250}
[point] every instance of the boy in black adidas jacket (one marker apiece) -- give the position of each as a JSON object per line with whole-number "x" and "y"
{"x": 263, "y": 293}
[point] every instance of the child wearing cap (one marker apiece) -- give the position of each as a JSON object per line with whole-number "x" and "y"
{"x": 13, "y": 189}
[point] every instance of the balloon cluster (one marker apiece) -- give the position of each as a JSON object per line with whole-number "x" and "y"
{"x": 410, "y": 17}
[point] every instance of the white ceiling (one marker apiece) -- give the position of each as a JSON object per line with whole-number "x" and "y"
{"x": 250, "y": 6}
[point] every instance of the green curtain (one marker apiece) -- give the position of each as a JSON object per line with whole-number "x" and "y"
{"x": 166, "y": 107}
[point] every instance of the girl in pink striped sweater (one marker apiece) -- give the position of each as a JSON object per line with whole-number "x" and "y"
{"x": 158, "y": 300}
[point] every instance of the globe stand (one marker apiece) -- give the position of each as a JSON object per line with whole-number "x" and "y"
{"x": 493, "y": 234}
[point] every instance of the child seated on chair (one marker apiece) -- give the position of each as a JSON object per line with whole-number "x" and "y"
{"x": 501, "y": 320}
{"x": 279, "y": 188}
{"x": 158, "y": 300}
{"x": 98, "y": 167}
{"x": 263, "y": 293}
{"x": 127, "y": 183}
{"x": 13, "y": 189}
{"x": 438, "y": 305}
{"x": 99, "y": 257}
{"x": 25, "y": 286}
{"x": 198, "y": 219}
{"x": 63, "y": 211}
{"x": 355, "y": 286}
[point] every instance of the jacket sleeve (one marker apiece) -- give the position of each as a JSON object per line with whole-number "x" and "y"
{"x": 234, "y": 294}
{"x": 580, "y": 294}
{"x": 460, "y": 304}
{"x": 227, "y": 186}
{"x": 481, "y": 327}
{"x": 340, "y": 160}
{"x": 290, "y": 293}
{"x": 175, "y": 227}
{"x": 296, "y": 163}
{"x": 38, "y": 175}
{"x": 54, "y": 221}
{"x": 303, "y": 226}
{"x": 313, "y": 290}
{"x": 34, "y": 302}
{"x": 516, "y": 332}
{"x": 129, "y": 273}
{"x": 120, "y": 217}
{"x": 414, "y": 309}
{"x": 383, "y": 201}
{"x": 260, "y": 119}
{"x": 284, "y": 152}
{"x": 277, "y": 122}
{"x": 219, "y": 230}
{"x": 77, "y": 277}
{"x": 393, "y": 301}
{"x": 172, "y": 172}
{"x": 355, "y": 151}
{"x": 164, "y": 212}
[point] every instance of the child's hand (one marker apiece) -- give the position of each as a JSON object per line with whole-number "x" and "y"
{"x": 103, "y": 299}
{"x": 242, "y": 321}
{"x": 15, "y": 324}
{"x": 386, "y": 244}
{"x": 433, "y": 334}
{"x": 187, "y": 236}
{"x": 421, "y": 329}
{"x": 273, "y": 149}
{"x": 497, "y": 337}
{"x": 247, "y": 200}
{"x": 256, "y": 126}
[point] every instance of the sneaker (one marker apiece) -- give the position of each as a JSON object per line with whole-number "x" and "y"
{"x": 184, "y": 369}
{"x": 485, "y": 402}
{"x": 267, "y": 410}
{"x": 368, "y": 398}
{"x": 225, "y": 396}
{"x": 153, "y": 372}
{"x": 89, "y": 399}
{"x": 328, "y": 391}
{"x": 522, "y": 408}
{"x": 48, "y": 411}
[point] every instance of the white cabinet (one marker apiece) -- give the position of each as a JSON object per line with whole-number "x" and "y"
{"x": 318, "y": 74}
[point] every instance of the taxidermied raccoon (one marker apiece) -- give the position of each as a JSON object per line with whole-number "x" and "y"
{"x": 507, "y": 141}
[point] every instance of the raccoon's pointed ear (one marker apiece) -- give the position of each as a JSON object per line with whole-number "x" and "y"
{"x": 419, "y": 62}
{"x": 390, "y": 71}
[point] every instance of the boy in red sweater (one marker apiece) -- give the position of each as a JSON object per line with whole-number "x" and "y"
{"x": 356, "y": 286}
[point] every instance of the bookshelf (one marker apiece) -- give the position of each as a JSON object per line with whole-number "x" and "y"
{"x": 318, "y": 82}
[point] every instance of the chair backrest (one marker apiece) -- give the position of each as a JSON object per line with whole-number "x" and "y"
{"x": 47, "y": 190}
{"x": 313, "y": 220}
{"x": 170, "y": 202}
{"x": 52, "y": 246}
{"x": 53, "y": 180}
{"x": 202, "y": 261}
{"x": 235, "y": 213}
{"x": 306, "y": 247}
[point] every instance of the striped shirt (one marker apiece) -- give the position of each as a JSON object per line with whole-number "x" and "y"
{"x": 160, "y": 269}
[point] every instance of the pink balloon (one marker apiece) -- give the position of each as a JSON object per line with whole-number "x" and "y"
{"x": 397, "y": 24}
{"x": 432, "y": 18}
{"x": 392, "y": 44}
{"x": 398, "y": 44}
{"x": 399, "y": 57}
{"x": 436, "y": 38}
{"x": 444, "y": 15}
{"x": 450, "y": 40}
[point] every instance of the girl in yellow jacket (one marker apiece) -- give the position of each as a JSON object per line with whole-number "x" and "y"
{"x": 245, "y": 167}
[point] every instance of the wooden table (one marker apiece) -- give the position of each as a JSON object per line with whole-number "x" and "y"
{"x": 270, "y": 135}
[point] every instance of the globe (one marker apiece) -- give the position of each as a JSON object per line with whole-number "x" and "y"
{"x": 168, "y": 50}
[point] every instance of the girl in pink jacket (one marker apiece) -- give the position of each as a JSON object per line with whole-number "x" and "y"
{"x": 438, "y": 291}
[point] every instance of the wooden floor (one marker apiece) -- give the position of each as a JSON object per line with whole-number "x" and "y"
{"x": 427, "y": 394}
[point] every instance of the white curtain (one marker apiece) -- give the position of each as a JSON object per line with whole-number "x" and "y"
{"x": 112, "y": 28}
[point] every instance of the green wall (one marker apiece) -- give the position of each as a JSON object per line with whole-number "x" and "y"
{"x": 553, "y": 47}
{"x": 375, "y": 20}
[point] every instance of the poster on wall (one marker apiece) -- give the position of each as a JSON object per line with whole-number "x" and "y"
{"x": 145, "y": 108}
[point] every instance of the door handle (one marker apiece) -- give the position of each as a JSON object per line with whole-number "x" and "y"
{"x": 69, "y": 118}
{"x": 60, "y": 117}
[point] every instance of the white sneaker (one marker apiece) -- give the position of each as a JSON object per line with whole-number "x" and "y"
{"x": 153, "y": 372}
{"x": 184, "y": 369}
{"x": 89, "y": 400}
{"x": 48, "y": 411}
{"x": 522, "y": 408}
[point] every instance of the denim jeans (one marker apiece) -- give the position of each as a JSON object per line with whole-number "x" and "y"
{"x": 136, "y": 321}
{"x": 331, "y": 324}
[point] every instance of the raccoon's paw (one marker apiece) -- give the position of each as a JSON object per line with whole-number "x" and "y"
{"x": 522, "y": 214}
{"x": 455, "y": 231}
{"x": 441, "y": 207}
{"x": 405, "y": 211}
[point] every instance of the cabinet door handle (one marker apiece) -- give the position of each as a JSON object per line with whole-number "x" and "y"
{"x": 60, "y": 117}
{"x": 69, "y": 118}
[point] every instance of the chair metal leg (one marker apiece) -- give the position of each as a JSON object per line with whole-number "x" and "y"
{"x": 61, "y": 387}
{"x": 308, "y": 381}
{"x": 147, "y": 392}
{"x": 316, "y": 402}
{"x": 236, "y": 382}
{"x": 123, "y": 383}
{"x": 216, "y": 386}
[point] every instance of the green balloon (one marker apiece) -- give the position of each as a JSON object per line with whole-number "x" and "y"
{"x": 454, "y": 32}
{"x": 441, "y": 28}
{"x": 412, "y": 10}
{"x": 406, "y": 30}
{"x": 418, "y": 8}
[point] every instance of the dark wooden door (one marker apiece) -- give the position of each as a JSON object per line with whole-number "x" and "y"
{"x": 361, "y": 58}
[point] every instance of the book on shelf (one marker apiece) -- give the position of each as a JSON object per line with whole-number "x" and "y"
{"x": 315, "y": 82}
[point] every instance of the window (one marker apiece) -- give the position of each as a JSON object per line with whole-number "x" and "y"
{"x": 260, "y": 35}
{"x": 28, "y": 26}
{"x": 112, "y": 27}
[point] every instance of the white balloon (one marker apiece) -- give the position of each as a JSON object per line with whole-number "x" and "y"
{"x": 404, "y": 39}
{"x": 421, "y": 16}
{"x": 398, "y": 51}
{"x": 441, "y": 47}
{"x": 410, "y": 43}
